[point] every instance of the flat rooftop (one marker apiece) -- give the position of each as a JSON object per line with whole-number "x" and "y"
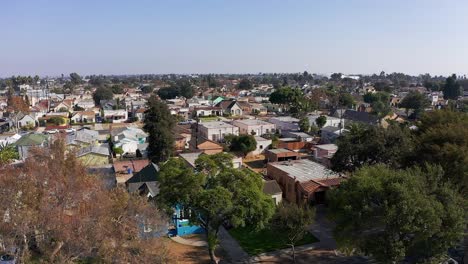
{"x": 285, "y": 119}
{"x": 304, "y": 170}
{"x": 253, "y": 122}
{"x": 216, "y": 124}
{"x": 280, "y": 150}
{"x": 327, "y": 146}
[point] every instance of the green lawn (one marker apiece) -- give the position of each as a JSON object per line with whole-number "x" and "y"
{"x": 265, "y": 240}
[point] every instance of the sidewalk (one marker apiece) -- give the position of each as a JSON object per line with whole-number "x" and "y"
{"x": 231, "y": 247}
{"x": 189, "y": 242}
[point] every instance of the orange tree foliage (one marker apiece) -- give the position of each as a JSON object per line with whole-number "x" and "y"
{"x": 54, "y": 211}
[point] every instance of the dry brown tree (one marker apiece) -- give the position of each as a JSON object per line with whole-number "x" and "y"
{"x": 55, "y": 212}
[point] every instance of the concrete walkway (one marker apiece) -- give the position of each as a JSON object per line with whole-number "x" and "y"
{"x": 234, "y": 251}
{"x": 322, "y": 229}
{"x": 189, "y": 242}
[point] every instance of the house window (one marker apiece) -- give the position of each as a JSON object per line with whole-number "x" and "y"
{"x": 261, "y": 146}
{"x": 267, "y": 130}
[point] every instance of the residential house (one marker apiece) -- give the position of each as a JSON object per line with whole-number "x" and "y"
{"x": 329, "y": 134}
{"x": 183, "y": 135}
{"x": 258, "y": 109}
{"x": 94, "y": 155}
{"x": 292, "y": 143}
{"x": 254, "y": 127}
{"x": 25, "y": 120}
{"x": 245, "y": 106}
{"x": 83, "y": 117}
{"x": 331, "y": 121}
{"x": 64, "y": 106}
{"x": 125, "y": 169}
{"x": 285, "y": 123}
{"x": 191, "y": 157}
{"x": 130, "y": 139}
{"x": 262, "y": 145}
{"x": 280, "y": 154}
{"x": 303, "y": 181}
{"x": 324, "y": 152}
{"x": 116, "y": 116}
{"x": 28, "y": 141}
{"x": 83, "y": 138}
{"x": 272, "y": 188}
{"x": 206, "y": 146}
{"x": 216, "y": 130}
{"x": 207, "y": 111}
{"x": 140, "y": 114}
{"x": 230, "y": 107}
{"x": 301, "y": 136}
{"x": 145, "y": 181}
{"x": 85, "y": 103}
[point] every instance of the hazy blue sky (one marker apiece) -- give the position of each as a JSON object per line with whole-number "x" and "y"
{"x": 239, "y": 36}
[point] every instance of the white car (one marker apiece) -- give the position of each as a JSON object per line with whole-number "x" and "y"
{"x": 53, "y": 131}
{"x": 70, "y": 130}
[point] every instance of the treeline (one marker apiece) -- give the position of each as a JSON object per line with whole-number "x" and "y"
{"x": 406, "y": 194}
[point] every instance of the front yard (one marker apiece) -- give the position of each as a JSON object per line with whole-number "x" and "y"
{"x": 266, "y": 240}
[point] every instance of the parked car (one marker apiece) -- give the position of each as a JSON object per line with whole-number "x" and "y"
{"x": 70, "y": 130}
{"x": 52, "y": 131}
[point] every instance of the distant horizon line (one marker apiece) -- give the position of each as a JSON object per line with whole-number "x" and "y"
{"x": 222, "y": 73}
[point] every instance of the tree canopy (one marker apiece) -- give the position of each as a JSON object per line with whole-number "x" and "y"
{"x": 216, "y": 193}
{"x": 452, "y": 88}
{"x": 442, "y": 139}
{"x": 321, "y": 121}
{"x": 159, "y": 124}
{"x": 245, "y": 84}
{"x": 50, "y": 213}
{"x": 242, "y": 143}
{"x": 102, "y": 93}
{"x": 415, "y": 101}
{"x": 396, "y": 214}
{"x": 304, "y": 124}
{"x": 179, "y": 88}
{"x": 368, "y": 145}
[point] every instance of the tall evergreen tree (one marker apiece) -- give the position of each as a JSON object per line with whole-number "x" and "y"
{"x": 159, "y": 123}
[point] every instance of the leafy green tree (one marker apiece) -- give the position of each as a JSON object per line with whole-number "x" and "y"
{"x": 452, "y": 89}
{"x": 118, "y": 151}
{"x": 7, "y": 153}
{"x": 245, "y": 84}
{"x": 442, "y": 139}
{"x": 374, "y": 97}
{"x": 369, "y": 145}
{"x": 168, "y": 93}
{"x": 304, "y": 124}
{"x": 392, "y": 214}
{"x": 75, "y": 78}
{"x": 159, "y": 124}
{"x": 295, "y": 221}
{"x": 146, "y": 89}
{"x": 117, "y": 89}
{"x": 102, "y": 93}
{"x": 346, "y": 99}
{"x": 243, "y": 144}
{"x": 321, "y": 121}
{"x": 57, "y": 120}
{"x": 416, "y": 101}
{"x": 216, "y": 193}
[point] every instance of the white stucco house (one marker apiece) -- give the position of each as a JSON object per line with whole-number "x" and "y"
{"x": 254, "y": 126}
{"x": 216, "y": 130}
{"x": 129, "y": 139}
{"x": 116, "y": 116}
